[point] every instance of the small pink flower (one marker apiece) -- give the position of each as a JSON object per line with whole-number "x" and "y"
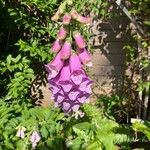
{"x": 65, "y": 51}
{"x": 66, "y": 19}
{"x": 84, "y": 56}
{"x": 79, "y": 40}
{"x": 56, "y": 16}
{"x": 57, "y": 45}
{"x": 74, "y": 14}
{"x": 84, "y": 20}
{"x": 62, "y": 33}
{"x": 55, "y": 66}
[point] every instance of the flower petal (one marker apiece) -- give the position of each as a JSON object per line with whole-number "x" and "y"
{"x": 79, "y": 40}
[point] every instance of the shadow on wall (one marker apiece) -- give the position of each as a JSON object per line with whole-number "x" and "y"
{"x": 108, "y": 41}
{"x": 40, "y": 93}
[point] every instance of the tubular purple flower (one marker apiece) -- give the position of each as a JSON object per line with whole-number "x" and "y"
{"x": 79, "y": 40}
{"x": 57, "y": 45}
{"x": 77, "y": 72}
{"x": 62, "y": 33}
{"x": 66, "y": 19}
{"x": 84, "y": 20}
{"x": 65, "y": 51}
{"x": 53, "y": 84}
{"x": 64, "y": 80}
{"x": 55, "y": 66}
{"x": 84, "y": 56}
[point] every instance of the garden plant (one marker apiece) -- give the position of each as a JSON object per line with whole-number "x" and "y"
{"x": 48, "y": 42}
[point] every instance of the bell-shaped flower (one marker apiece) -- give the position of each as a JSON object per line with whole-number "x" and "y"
{"x": 59, "y": 98}
{"x": 20, "y": 132}
{"x": 65, "y": 51}
{"x": 84, "y": 20}
{"x": 84, "y": 56}
{"x": 66, "y": 107}
{"x": 77, "y": 73}
{"x": 85, "y": 85}
{"x": 79, "y": 40}
{"x": 66, "y": 19}
{"x": 74, "y": 14}
{"x": 64, "y": 79}
{"x": 75, "y": 107}
{"x": 57, "y": 45}
{"x": 54, "y": 67}
{"x": 35, "y": 138}
{"x": 56, "y": 16}
{"x": 83, "y": 98}
{"x": 58, "y": 13}
{"x": 73, "y": 94}
{"x": 53, "y": 84}
{"x": 62, "y": 33}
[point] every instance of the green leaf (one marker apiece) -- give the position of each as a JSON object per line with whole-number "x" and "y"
{"x": 44, "y": 132}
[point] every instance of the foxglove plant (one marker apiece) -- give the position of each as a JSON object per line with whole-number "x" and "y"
{"x": 68, "y": 82}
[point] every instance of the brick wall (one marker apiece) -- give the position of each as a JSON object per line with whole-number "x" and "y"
{"x": 108, "y": 58}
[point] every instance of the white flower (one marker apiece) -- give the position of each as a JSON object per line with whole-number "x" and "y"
{"x": 20, "y": 132}
{"x": 35, "y": 138}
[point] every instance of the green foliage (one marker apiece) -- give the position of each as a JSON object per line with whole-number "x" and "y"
{"x": 95, "y": 132}
{"x": 142, "y": 127}
{"x": 44, "y": 120}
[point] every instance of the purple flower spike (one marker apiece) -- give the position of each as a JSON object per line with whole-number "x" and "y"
{"x": 55, "y": 66}
{"x": 66, "y": 19}
{"x": 84, "y": 57}
{"x": 62, "y": 33}
{"x": 84, "y": 20}
{"x": 77, "y": 72}
{"x": 57, "y": 46}
{"x": 79, "y": 40}
{"x": 65, "y": 51}
{"x": 35, "y": 138}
